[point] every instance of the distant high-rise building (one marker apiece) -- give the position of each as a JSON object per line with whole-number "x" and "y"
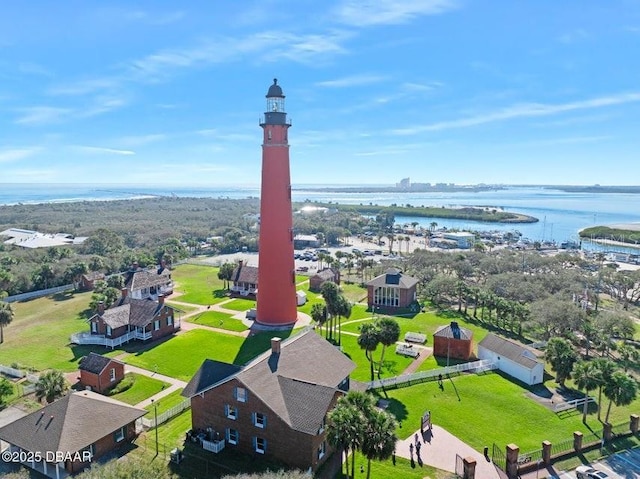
{"x": 405, "y": 183}
{"x": 276, "y": 268}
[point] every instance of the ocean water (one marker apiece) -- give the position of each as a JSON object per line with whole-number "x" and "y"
{"x": 561, "y": 214}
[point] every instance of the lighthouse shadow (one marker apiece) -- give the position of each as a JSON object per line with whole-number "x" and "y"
{"x": 258, "y": 341}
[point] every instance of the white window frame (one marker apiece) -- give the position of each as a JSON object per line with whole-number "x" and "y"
{"x": 119, "y": 434}
{"x": 109, "y": 330}
{"x": 169, "y": 320}
{"x": 112, "y": 374}
{"x": 322, "y": 450}
{"x": 94, "y": 327}
{"x": 240, "y": 394}
{"x": 263, "y": 420}
{"x": 231, "y": 412}
{"x": 156, "y": 325}
{"x": 256, "y": 446}
{"x": 232, "y": 436}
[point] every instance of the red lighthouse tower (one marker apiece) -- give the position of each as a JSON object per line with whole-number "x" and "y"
{"x": 276, "y": 272}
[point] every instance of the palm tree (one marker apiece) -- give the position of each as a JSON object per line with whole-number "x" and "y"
{"x": 561, "y": 356}
{"x": 6, "y": 316}
{"x": 607, "y": 368}
{"x": 50, "y": 386}
{"x": 319, "y": 314}
{"x": 368, "y": 340}
{"x": 587, "y": 376}
{"x": 379, "y": 440}
{"x": 407, "y": 240}
{"x": 344, "y": 429}
{"x": 347, "y": 421}
{"x": 432, "y": 226}
{"x": 621, "y": 389}
{"x": 388, "y": 334}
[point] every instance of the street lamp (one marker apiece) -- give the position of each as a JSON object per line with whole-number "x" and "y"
{"x": 155, "y": 422}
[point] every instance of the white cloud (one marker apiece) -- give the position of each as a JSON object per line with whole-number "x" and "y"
{"x": 573, "y": 36}
{"x": 141, "y": 140}
{"x": 39, "y": 115}
{"x": 16, "y": 154}
{"x": 97, "y": 150}
{"x": 155, "y": 18}
{"x": 350, "y": 81}
{"x": 378, "y": 12}
{"x": 84, "y": 87}
{"x": 526, "y": 110}
{"x": 103, "y": 104}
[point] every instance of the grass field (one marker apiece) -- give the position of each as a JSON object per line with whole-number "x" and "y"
{"x": 490, "y": 409}
{"x": 354, "y": 292}
{"x": 194, "y": 346}
{"x": 167, "y": 402}
{"x": 198, "y": 284}
{"x": 394, "y": 363}
{"x": 240, "y": 304}
{"x": 402, "y": 469}
{"x": 217, "y": 319}
{"x": 143, "y": 387}
{"x": 38, "y": 336}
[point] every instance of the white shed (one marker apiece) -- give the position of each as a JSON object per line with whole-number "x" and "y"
{"x": 512, "y": 358}
{"x": 301, "y": 298}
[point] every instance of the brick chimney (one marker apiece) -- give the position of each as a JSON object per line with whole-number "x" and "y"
{"x": 124, "y": 292}
{"x": 100, "y": 308}
{"x": 161, "y": 299}
{"x": 275, "y": 345}
{"x": 134, "y": 266}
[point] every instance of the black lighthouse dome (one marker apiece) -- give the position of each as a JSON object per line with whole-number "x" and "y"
{"x": 274, "y": 90}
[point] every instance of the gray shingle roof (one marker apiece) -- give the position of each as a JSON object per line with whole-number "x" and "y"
{"x": 145, "y": 278}
{"x": 393, "y": 277}
{"x": 512, "y": 350}
{"x": 245, "y": 274}
{"x": 70, "y": 424}
{"x": 304, "y": 405}
{"x": 95, "y": 363}
{"x": 326, "y": 274}
{"x": 210, "y": 373}
{"x": 136, "y": 312}
{"x": 453, "y": 331}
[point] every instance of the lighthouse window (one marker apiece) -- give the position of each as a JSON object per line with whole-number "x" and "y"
{"x": 268, "y": 134}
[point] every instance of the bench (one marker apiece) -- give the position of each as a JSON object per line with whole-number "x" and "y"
{"x": 407, "y": 350}
{"x": 415, "y": 338}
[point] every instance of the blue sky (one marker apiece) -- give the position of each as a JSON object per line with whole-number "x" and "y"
{"x": 462, "y": 91}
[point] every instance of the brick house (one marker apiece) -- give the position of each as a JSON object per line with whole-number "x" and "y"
{"x": 274, "y": 406}
{"x": 88, "y": 280}
{"x": 100, "y": 373}
{"x": 81, "y": 425}
{"x": 245, "y": 280}
{"x": 453, "y": 342}
{"x": 148, "y": 283}
{"x": 391, "y": 291}
{"x": 327, "y": 274}
{"x": 128, "y": 319}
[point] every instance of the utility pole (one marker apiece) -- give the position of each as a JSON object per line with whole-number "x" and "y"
{"x": 155, "y": 422}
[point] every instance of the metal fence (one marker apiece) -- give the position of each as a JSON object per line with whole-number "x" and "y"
{"x": 408, "y": 379}
{"x": 150, "y": 423}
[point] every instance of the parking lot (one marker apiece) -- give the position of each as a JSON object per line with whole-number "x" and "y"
{"x": 624, "y": 465}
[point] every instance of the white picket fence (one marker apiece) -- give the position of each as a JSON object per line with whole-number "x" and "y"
{"x": 149, "y": 423}
{"x": 566, "y": 405}
{"x": 32, "y": 378}
{"x": 407, "y": 379}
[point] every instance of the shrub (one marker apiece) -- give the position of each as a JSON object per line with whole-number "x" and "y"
{"x": 122, "y": 386}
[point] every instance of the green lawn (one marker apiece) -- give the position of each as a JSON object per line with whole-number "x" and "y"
{"x": 394, "y": 363}
{"x": 181, "y": 356}
{"x": 167, "y": 402}
{"x": 217, "y": 319}
{"x": 402, "y": 469}
{"x": 240, "y": 304}
{"x": 198, "y": 284}
{"x": 490, "y": 409}
{"x": 143, "y": 387}
{"x": 182, "y": 307}
{"x": 38, "y": 336}
{"x": 354, "y": 292}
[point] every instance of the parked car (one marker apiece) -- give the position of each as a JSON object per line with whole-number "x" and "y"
{"x": 588, "y": 472}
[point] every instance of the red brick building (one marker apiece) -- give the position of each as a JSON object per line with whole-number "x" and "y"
{"x": 100, "y": 373}
{"x": 327, "y": 274}
{"x": 82, "y": 425}
{"x": 391, "y": 291}
{"x": 453, "y": 342}
{"x": 275, "y": 406}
